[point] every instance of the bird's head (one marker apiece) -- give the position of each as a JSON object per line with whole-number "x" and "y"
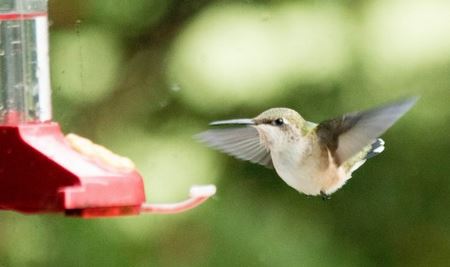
{"x": 279, "y": 127}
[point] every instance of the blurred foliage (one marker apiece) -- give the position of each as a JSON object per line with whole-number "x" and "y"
{"x": 141, "y": 77}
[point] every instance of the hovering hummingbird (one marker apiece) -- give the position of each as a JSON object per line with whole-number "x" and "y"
{"x": 315, "y": 159}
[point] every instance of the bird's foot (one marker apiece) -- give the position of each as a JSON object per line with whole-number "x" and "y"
{"x": 324, "y": 195}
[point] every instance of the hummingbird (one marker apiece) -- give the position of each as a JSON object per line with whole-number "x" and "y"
{"x": 314, "y": 158}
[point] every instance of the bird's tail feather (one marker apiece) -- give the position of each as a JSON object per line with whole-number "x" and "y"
{"x": 371, "y": 151}
{"x": 377, "y": 148}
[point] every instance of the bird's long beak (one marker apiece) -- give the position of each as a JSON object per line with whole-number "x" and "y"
{"x": 233, "y": 122}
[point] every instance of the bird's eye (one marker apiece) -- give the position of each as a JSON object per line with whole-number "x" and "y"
{"x": 278, "y": 122}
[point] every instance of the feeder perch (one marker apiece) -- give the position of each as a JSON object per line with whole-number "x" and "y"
{"x": 41, "y": 170}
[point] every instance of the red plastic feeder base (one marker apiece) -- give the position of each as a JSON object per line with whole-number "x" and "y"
{"x": 40, "y": 172}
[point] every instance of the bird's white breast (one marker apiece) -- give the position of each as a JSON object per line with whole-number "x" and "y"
{"x": 301, "y": 166}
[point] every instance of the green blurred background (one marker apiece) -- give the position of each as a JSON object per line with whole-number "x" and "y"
{"x": 142, "y": 76}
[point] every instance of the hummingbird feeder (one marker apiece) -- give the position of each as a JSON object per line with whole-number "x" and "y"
{"x": 41, "y": 170}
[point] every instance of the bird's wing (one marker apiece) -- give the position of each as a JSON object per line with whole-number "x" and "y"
{"x": 347, "y": 135}
{"x": 241, "y": 142}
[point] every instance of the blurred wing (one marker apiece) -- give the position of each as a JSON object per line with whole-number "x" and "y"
{"x": 347, "y": 135}
{"x": 243, "y": 143}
